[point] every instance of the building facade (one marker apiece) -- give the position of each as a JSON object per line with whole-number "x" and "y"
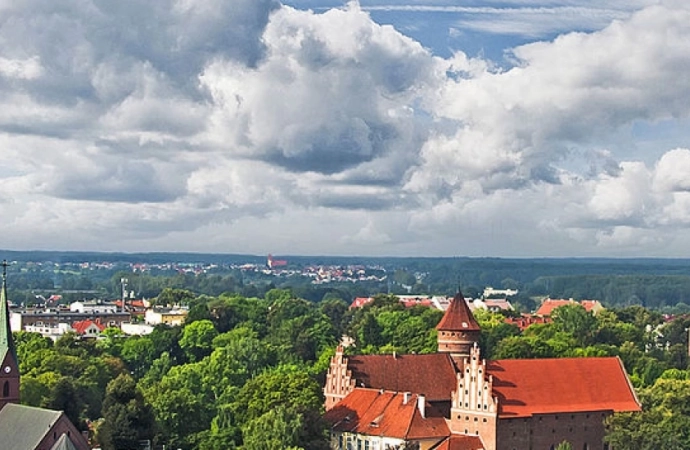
{"x": 469, "y": 403}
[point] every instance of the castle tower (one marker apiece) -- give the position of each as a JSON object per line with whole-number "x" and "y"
{"x": 9, "y": 366}
{"x": 458, "y": 330}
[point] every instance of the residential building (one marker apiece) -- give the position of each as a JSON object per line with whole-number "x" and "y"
{"x": 547, "y": 306}
{"x": 454, "y": 399}
{"x": 47, "y": 318}
{"x": 88, "y": 328}
{"x": 93, "y": 307}
{"x": 168, "y": 316}
{"x": 24, "y": 427}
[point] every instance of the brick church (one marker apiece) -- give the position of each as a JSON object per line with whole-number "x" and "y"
{"x": 25, "y": 427}
{"x": 455, "y": 400}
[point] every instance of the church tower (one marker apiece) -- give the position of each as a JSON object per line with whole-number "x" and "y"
{"x": 9, "y": 366}
{"x": 458, "y": 330}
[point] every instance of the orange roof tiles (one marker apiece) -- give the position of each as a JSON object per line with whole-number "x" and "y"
{"x": 548, "y": 305}
{"x": 458, "y": 316}
{"x": 565, "y": 385}
{"x": 432, "y": 374}
{"x": 82, "y": 325}
{"x": 385, "y": 413}
{"x": 525, "y": 320}
{"x": 461, "y": 442}
{"x": 361, "y": 301}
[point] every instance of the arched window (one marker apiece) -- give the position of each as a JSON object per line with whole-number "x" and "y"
{"x": 6, "y": 389}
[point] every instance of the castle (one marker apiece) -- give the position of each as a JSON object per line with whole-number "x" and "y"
{"x": 455, "y": 400}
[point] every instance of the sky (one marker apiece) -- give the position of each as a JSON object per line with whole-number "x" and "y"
{"x": 514, "y": 128}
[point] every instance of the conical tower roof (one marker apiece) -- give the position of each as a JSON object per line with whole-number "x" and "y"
{"x": 458, "y": 316}
{"x": 6, "y": 341}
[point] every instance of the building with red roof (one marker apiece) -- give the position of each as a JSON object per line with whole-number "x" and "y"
{"x": 88, "y": 327}
{"x": 525, "y": 320}
{"x": 547, "y": 306}
{"x": 455, "y": 400}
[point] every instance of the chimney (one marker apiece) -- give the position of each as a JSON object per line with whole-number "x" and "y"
{"x": 421, "y": 405}
{"x": 406, "y": 397}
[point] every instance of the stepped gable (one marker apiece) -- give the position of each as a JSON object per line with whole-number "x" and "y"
{"x": 458, "y": 316}
{"x": 525, "y": 387}
{"x": 385, "y": 413}
{"x": 430, "y": 374}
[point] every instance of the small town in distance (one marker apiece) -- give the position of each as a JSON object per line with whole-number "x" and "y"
{"x": 260, "y": 364}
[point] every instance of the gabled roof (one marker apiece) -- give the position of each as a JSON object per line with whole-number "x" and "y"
{"x": 83, "y": 325}
{"x": 460, "y": 442}
{"x": 6, "y": 340}
{"x": 458, "y": 316}
{"x": 431, "y": 374}
{"x": 525, "y": 387}
{"x": 548, "y": 305}
{"x": 24, "y": 427}
{"x": 385, "y": 413}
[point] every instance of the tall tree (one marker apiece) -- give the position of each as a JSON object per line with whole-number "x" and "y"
{"x": 127, "y": 417}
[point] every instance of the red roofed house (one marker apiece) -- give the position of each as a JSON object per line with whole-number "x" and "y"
{"x": 361, "y": 301}
{"x": 525, "y": 320}
{"x": 88, "y": 328}
{"x": 454, "y": 400}
{"x": 548, "y": 305}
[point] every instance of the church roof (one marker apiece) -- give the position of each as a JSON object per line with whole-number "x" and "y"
{"x": 6, "y": 341}
{"x": 375, "y": 412}
{"x": 63, "y": 443}
{"x": 430, "y": 374}
{"x": 458, "y": 316}
{"x": 24, "y": 427}
{"x": 525, "y": 387}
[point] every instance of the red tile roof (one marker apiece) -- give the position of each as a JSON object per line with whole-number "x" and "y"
{"x": 458, "y": 316}
{"x": 385, "y": 413}
{"x": 565, "y": 385}
{"x": 82, "y": 325}
{"x": 548, "y": 305}
{"x": 361, "y": 301}
{"x": 460, "y": 442}
{"x": 432, "y": 375}
{"x": 525, "y": 321}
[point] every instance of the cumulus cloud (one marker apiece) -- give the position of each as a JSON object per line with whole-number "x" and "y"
{"x": 197, "y": 125}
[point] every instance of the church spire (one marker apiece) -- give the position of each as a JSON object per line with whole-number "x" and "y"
{"x": 9, "y": 366}
{"x": 458, "y": 330}
{"x": 6, "y": 341}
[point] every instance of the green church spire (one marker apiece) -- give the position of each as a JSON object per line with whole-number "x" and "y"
{"x": 6, "y": 341}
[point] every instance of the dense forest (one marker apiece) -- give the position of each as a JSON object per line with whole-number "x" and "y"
{"x": 251, "y": 369}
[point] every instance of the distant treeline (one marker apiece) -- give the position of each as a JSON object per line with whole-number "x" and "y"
{"x": 653, "y": 283}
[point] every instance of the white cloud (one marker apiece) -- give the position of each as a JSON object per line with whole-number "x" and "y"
{"x": 27, "y": 69}
{"x": 252, "y": 127}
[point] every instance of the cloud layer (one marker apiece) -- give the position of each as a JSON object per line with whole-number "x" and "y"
{"x": 251, "y": 126}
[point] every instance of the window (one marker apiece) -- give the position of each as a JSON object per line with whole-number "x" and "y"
{"x": 6, "y": 389}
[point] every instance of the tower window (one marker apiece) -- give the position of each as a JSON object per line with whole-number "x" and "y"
{"x": 6, "y": 389}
